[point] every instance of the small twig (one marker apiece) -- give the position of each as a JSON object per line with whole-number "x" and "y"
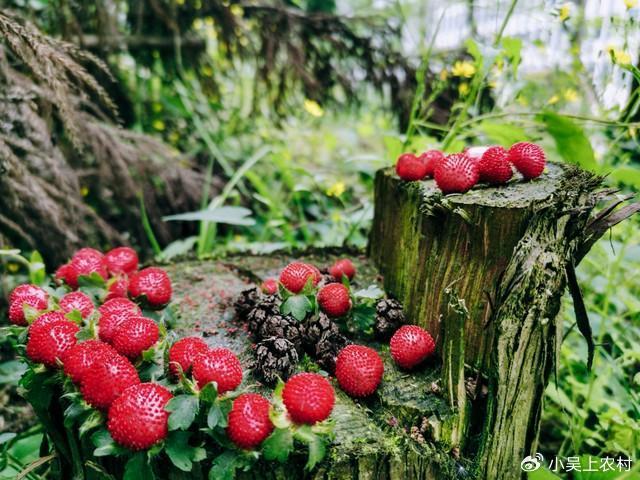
{"x": 32, "y": 466}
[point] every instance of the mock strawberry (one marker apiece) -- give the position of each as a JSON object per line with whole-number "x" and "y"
{"x": 359, "y": 370}
{"x": 411, "y": 345}
{"x": 456, "y": 174}
{"x": 62, "y": 274}
{"x": 334, "y": 300}
{"x": 77, "y": 301}
{"x": 134, "y": 336}
{"x": 411, "y": 168}
{"x": 309, "y": 398}
{"x": 249, "y": 423}
{"x": 431, "y": 158}
{"x": 137, "y": 419}
{"x": 151, "y": 285}
{"x": 49, "y": 342}
{"x": 85, "y": 262}
{"x": 16, "y": 308}
{"x": 118, "y": 287}
{"x": 112, "y": 314}
{"x": 27, "y": 290}
{"x": 295, "y": 276}
{"x": 475, "y": 153}
{"x": 219, "y": 365}
{"x": 121, "y": 260}
{"x": 269, "y": 286}
{"x": 81, "y": 357}
{"x": 45, "y": 319}
{"x": 106, "y": 380}
{"x": 342, "y": 268}
{"x": 184, "y": 352}
{"x": 119, "y": 305}
{"x": 494, "y": 166}
{"x": 528, "y": 158}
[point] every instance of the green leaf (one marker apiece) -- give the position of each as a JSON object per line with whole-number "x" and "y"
{"x": 315, "y": 443}
{"x": 91, "y": 422}
{"x": 502, "y": 133}
{"x": 297, "y": 306}
{"x": 372, "y": 292}
{"x": 7, "y": 437}
{"x": 179, "y": 451}
{"x": 73, "y": 412}
{"x": 393, "y": 146}
{"x": 542, "y": 474}
{"x": 227, "y": 215}
{"x": 627, "y": 175}
{"x": 75, "y": 316}
{"x": 364, "y": 317}
{"x": 224, "y": 466}
{"x": 37, "y": 390}
{"x": 209, "y": 393}
{"x": 571, "y": 141}
{"x": 138, "y": 468}
{"x": 278, "y": 445}
{"x": 94, "y": 280}
{"x": 105, "y": 445}
{"x": 512, "y": 48}
{"x": 37, "y": 272}
{"x": 219, "y": 413}
{"x": 184, "y": 409}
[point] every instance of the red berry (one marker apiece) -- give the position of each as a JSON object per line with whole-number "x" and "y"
{"x": 62, "y": 274}
{"x": 137, "y": 419}
{"x": 27, "y": 290}
{"x": 494, "y": 166}
{"x": 119, "y": 305}
{"x": 475, "y": 153}
{"x": 528, "y": 158}
{"x": 269, "y": 286}
{"x": 48, "y": 343}
{"x": 343, "y": 267}
{"x": 219, "y": 365}
{"x": 121, "y": 260}
{"x": 77, "y": 301}
{"x": 431, "y": 158}
{"x": 334, "y": 300}
{"x": 106, "y": 380}
{"x": 410, "y": 345}
{"x": 184, "y": 352}
{"x": 134, "y": 336}
{"x": 45, "y": 319}
{"x": 294, "y": 277}
{"x": 112, "y": 314}
{"x": 118, "y": 287}
{"x": 411, "y": 168}
{"x": 309, "y": 398}
{"x": 16, "y": 308}
{"x": 359, "y": 370}
{"x": 456, "y": 174}
{"x": 152, "y": 285}
{"x": 249, "y": 423}
{"x": 81, "y": 357}
{"x": 88, "y": 253}
{"x": 83, "y": 266}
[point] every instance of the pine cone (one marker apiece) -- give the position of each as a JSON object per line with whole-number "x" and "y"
{"x": 389, "y": 317}
{"x": 246, "y": 301}
{"x": 315, "y": 327}
{"x": 268, "y": 307}
{"x": 328, "y": 348}
{"x": 275, "y": 358}
{"x": 284, "y": 326}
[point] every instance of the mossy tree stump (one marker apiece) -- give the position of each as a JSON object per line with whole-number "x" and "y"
{"x": 485, "y": 272}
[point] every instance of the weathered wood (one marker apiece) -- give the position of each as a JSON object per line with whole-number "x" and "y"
{"x": 503, "y": 251}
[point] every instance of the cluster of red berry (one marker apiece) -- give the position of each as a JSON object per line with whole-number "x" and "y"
{"x": 459, "y": 172}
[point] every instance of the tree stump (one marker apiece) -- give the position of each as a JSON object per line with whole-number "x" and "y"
{"x": 485, "y": 272}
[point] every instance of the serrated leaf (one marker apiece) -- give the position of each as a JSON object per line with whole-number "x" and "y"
{"x": 183, "y": 409}
{"x": 315, "y": 443}
{"x": 138, "y": 468}
{"x": 364, "y": 317}
{"x": 279, "y": 445}
{"x": 75, "y": 316}
{"x": 94, "y": 279}
{"x": 224, "y": 466}
{"x": 297, "y": 306}
{"x": 179, "y": 451}
{"x": 209, "y": 392}
{"x": 372, "y": 292}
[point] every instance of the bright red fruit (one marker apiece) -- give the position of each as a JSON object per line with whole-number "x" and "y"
{"x": 410, "y": 345}
{"x": 295, "y": 276}
{"x": 121, "y": 260}
{"x": 528, "y": 158}
{"x": 77, "y": 301}
{"x": 494, "y": 166}
{"x": 359, "y": 370}
{"x": 118, "y": 287}
{"x": 119, "y": 305}
{"x": 269, "y": 286}
{"x": 334, "y": 300}
{"x": 27, "y": 290}
{"x": 16, "y": 308}
{"x": 219, "y": 365}
{"x": 431, "y": 158}
{"x": 475, "y": 153}
{"x": 411, "y": 168}
{"x": 249, "y": 422}
{"x": 456, "y": 174}
{"x": 106, "y": 380}
{"x": 45, "y": 319}
{"x": 85, "y": 262}
{"x": 137, "y": 419}
{"x": 49, "y": 342}
{"x": 152, "y": 285}
{"x": 184, "y": 352}
{"x": 62, "y": 273}
{"x": 81, "y": 357}
{"x": 309, "y": 398}
{"x": 112, "y": 314}
{"x": 343, "y": 267}
{"x": 134, "y": 336}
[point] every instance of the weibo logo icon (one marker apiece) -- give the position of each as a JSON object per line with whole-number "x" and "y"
{"x": 531, "y": 463}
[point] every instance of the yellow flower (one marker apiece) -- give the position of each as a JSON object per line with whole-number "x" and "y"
{"x": 336, "y": 217}
{"x": 84, "y": 191}
{"x": 236, "y": 10}
{"x": 312, "y": 107}
{"x": 179, "y": 2}
{"x": 208, "y": 21}
{"x": 553, "y": 100}
{"x": 337, "y": 189}
{"x": 444, "y": 74}
{"x": 13, "y": 267}
{"x": 630, "y": 4}
{"x": 564, "y": 12}
{"x": 197, "y": 24}
{"x": 570, "y": 95}
{"x": 464, "y": 69}
{"x": 158, "y": 125}
{"x": 463, "y": 89}
{"x": 174, "y": 137}
{"x": 157, "y": 107}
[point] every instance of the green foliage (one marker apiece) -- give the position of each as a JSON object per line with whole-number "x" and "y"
{"x": 184, "y": 409}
